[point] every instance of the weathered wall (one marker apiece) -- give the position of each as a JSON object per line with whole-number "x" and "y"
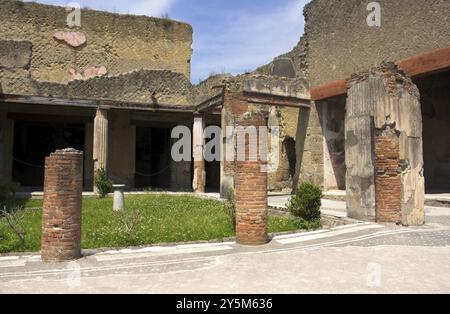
{"x": 15, "y": 60}
{"x": 121, "y": 43}
{"x": 333, "y": 128}
{"x": 309, "y": 146}
{"x": 301, "y": 157}
{"x": 286, "y": 119}
{"x": 341, "y": 43}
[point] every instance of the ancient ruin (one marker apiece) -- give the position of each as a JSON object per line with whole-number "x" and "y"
{"x": 369, "y": 116}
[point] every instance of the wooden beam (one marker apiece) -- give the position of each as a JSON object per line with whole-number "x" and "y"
{"x": 210, "y": 104}
{"x": 427, "y": 63}
{"x": 333, "y": 89}
{"x": 274, "y": 100}
{"x": 80, "y": 103}
{"x": 48, "y": 118}
{"x": 38, "y": 100}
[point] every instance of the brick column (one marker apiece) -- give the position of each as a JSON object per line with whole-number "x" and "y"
{"x": 388, "y": 172}
{"x": 100, "y": 152}
{"x": 61, "y": 218}
{"x": 199, "y": 181}
{"x": 250, "y": 181}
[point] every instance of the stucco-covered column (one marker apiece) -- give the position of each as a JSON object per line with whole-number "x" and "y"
{"x": 199, "y": 180}
{"x": 227, "y": 149}
{"x": 100, "y": 150}
{"x": 6, "y": 148}
{"x": 88, "y": 157}
{"x": 384, "y": 151}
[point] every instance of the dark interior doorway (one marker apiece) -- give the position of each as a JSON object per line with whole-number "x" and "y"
{"x": 33, "y": 141}
{"x": 153, "y": 161}
{"x": 435, "y": 99}
{"x": 212, "y": 169}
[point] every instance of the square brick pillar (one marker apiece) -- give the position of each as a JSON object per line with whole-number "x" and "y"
{"x": 384, "y": 152}
{"x": 250, "y": 175}
{"x": 61, "y": 218}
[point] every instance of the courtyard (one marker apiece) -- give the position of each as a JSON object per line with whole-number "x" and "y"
{"x": 358, "y": 258}
{"x": 149, "y": 219}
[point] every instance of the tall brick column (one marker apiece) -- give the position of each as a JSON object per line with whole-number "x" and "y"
{"x": 61, "y": 219}
{"x": 250, "y": 181}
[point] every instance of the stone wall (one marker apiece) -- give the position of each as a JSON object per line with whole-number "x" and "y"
{"x": 309, "y": 146}
{"x": 341, "y": 43}
{"x": 333, "y": 127}
{"x": 120, "y": 43}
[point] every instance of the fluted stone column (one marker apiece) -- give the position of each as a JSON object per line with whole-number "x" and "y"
{"x": 100, "y": 152}
{"x": 384, "y": 153}
{"x": 199, "y": 181}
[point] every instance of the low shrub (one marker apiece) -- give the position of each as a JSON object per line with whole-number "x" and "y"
{"x": 230, "y": 207}
{"x": 103, "y": 184}
{"x": 306, "y": 202}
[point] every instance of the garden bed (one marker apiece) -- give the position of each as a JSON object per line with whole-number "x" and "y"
{"x": 148, "y": 219}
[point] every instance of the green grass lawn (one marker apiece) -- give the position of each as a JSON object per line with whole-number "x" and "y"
{"x": 157, "y": 218}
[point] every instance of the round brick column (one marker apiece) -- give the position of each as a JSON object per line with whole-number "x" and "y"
{"x": 251, "y": 189}
{"x": 61, "y": 218}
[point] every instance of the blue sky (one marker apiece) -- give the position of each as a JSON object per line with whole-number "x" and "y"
{"x": 231, "y": 36}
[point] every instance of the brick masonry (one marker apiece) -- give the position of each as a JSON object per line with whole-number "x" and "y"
{"x": 61, "y": 219}
{"x": 388, "y": 185}
{"x": 250, "y": 181}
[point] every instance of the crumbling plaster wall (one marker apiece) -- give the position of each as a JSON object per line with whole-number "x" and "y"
{"x": 341, "y": 43}
{"x": 121, "y": 43}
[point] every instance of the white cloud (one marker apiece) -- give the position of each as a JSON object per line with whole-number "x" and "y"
{"x": 249, "y": 40}
{"x": 150, "y": 7}
{"x": 139, "y": 7}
